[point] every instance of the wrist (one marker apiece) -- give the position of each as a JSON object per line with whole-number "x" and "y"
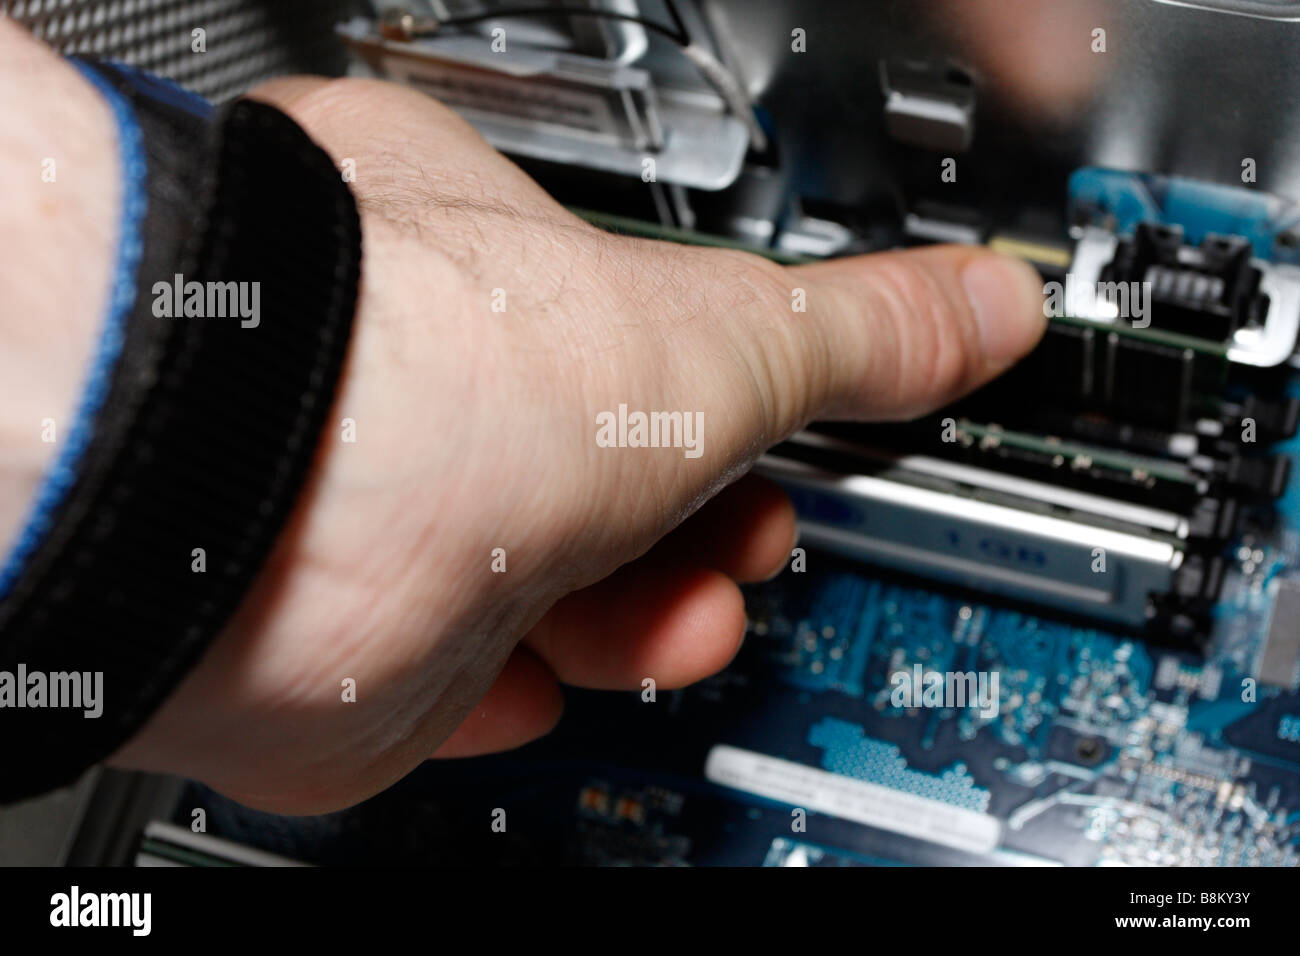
{"x": 61, "y": 173}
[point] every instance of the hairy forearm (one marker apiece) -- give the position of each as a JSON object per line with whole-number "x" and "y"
{"x": 59, "y": 198}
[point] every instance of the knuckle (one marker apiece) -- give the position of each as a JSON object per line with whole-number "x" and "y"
{"x": 931, "y": 326}
{"x": 785, "y": 351}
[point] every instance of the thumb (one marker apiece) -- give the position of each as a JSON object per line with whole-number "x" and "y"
{"x": 887, "y": 336}
{"x": 769, "y": 349}
{"x": 899, "y": 334}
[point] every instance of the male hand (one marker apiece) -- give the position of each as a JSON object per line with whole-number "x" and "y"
{"x": 475, "y": 430}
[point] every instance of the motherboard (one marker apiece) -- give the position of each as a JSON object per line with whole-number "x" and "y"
{"x": 1105, "y": 751}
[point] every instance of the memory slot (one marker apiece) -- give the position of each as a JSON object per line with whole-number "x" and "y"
{"x": 1033, "y": 542}
{"x": 1169, "y": 483}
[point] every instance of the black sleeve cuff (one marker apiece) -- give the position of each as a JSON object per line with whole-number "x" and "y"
{"x": 231, "y": 341}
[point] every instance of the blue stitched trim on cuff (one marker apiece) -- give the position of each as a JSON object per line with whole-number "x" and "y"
{"x": 155, "y": 88}
{"x": 63, "y": 471}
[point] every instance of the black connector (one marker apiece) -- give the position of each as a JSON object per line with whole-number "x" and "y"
{"x": 1208, "y": 291}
